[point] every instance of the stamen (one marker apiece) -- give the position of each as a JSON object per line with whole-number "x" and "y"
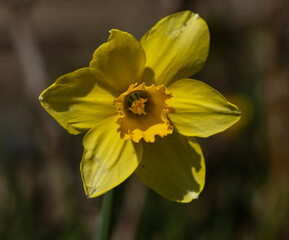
{"x": 138, "y": 106}
{"x": 136, "y": 95}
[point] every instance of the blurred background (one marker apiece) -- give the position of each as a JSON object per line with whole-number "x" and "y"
{"x": 247, "y": 185}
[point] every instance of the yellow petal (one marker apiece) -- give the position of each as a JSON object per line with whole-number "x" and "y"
{"x": 200, "y": 110}
{"x": 107, "y": 159}
{"x": 119, "y": 62}
{"x": 77, "y": 102}
{"x": 174, "y": 167}
{"x": 176, "y": 47}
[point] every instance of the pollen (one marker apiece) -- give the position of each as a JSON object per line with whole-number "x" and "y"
{"x": 138, "y": 106}
{"x": 142, "y": 112}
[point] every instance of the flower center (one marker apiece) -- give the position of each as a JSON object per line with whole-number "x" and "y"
{"x": 138, "y": 106}
{"x": 142, "y": 112}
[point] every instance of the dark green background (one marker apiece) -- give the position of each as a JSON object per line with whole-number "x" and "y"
{"x": 246, "y": 194}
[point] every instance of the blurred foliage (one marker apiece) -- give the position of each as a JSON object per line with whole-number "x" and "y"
{"x": 246, "y": 194}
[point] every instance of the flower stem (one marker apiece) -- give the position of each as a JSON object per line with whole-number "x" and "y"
{"x": 104, "y": 224}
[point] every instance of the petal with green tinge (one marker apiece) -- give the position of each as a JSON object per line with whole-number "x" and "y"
{"x": 107, "y": 159}
{"x": 119, "y": 62}
{"x": 174, "y": 167}
{"x": 200, "y": 110}
{"x": 176, "y": 47}
{"x": 77, "y": 101}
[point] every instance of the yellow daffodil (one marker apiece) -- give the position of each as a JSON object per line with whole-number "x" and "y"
{"x": 140, "y": 110}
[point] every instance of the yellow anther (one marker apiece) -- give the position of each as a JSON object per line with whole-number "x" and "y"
{"x": 138, "y": 106}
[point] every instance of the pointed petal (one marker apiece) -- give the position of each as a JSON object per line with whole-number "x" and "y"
{"x": 176, "y": 47}
{"x": 200, "y": 110}
{"x": 119, "y": 62}
{"x": 174, "y": 167}
{"x": 107, "y": 159}
{"x": 77, "y": 101}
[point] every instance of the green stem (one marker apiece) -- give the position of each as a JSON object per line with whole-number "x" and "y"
{"x": 104, "y": 224}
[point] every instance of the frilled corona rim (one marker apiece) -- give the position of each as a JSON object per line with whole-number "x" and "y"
{"x": 142, "y": 112}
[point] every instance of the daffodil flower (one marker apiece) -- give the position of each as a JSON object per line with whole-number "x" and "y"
{"x": 141, "y": 112}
